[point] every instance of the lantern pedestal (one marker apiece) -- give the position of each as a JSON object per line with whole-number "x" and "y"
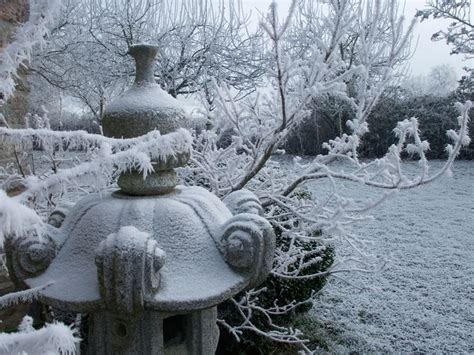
{"x": 154, "y": 333}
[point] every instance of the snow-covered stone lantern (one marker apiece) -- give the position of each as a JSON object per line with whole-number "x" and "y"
{"x": 149, "y": 262}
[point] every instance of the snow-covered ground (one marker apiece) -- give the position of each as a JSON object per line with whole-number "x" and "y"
{"x": 423, "y": 302}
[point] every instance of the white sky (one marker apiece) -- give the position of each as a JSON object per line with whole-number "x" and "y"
{"x": 427, "y": 55}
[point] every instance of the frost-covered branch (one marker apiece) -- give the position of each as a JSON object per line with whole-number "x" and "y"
{"x": 386, "y": 173}
{"x": 248, "y": 307}
{"x": 16, "y": 218}
{"x": 55, "y": 338}
{"x": 110, "y": 158}
{"x": 81, "y": 140}
{"x": 460, "y": 32}
{"x": 25, "y": 296}
{"x": 27, "y": 36}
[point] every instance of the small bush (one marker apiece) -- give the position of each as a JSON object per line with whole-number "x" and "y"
{"x": 279, "y": 292}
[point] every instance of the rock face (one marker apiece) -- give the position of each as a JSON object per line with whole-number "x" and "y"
{"x": 13, "y": 12}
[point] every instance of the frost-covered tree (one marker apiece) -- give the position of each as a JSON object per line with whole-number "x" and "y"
{"x": 460, "y": 32}
{"x": 55, "y": 337}
{"x": 331, "y": 111}
{"x": 440, "y": 81}
{"x": 261, "y": 124}
{"x": 197, "y": 40}
{"x": 303, "y": 67}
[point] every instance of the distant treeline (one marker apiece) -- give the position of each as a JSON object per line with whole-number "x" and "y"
{"x": 436, "y": 115}
{"x": 329, "y": 116}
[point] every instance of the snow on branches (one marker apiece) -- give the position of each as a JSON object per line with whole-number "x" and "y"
{"x": 54, "y": 338}
{"x": 460, "y": 32}
{"x": 108, "y": 158}
{"x": 362, "y": 50}
{"x": 17, "y": 219}
{"x": 28, "y": 35}
{"x": 25, "y": 296}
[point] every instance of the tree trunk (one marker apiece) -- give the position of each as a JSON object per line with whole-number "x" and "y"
{"x": 13, "y": 12}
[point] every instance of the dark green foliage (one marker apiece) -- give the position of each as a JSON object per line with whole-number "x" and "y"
{"x": 327, "y": 121}
{"x": 435, "y": 115}
{"x": 279, "y": 292}
{"x": 465, "y": 90}
{"x": 284, "y": 291}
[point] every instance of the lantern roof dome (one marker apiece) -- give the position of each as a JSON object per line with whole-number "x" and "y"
{"x": 186, "y": 225}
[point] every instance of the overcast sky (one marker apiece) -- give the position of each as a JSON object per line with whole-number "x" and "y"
{"x": 428, "y": 54}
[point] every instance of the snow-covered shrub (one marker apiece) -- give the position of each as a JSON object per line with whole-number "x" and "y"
{"x": 328, "y": 118}
{"x": 287, "y": 296}
{"x": 435, "y": 116}
{"x": 277, "y": 294}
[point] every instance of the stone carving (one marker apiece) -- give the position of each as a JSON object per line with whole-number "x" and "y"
{"x": 128, "y": 264}
{"x": 243, "y": 201}
{"x": 111, "y": 248}
{"x": 171, "y": 161}
{"x": 145, "y": 106}
{"x": 141, "y": 109}
{"x": 56, "y": 218}
{"x": 28, "y": 256}
{"x": 248, "y": 240}
{"x": 248, "y": 243}
{"x": 158, "y": 182}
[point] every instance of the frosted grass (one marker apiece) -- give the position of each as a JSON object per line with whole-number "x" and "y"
{"x": 423, "y": 300}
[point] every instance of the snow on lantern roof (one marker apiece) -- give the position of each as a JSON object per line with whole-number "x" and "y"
{"x": 187, "y": 225}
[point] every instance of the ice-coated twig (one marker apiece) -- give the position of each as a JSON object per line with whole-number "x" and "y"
{"x": 25, "y": 296}
{"x": 55, "y": 338}
{"x": 27, "y": 36}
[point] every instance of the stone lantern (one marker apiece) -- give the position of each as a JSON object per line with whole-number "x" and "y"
{"x": 151, "y": 261}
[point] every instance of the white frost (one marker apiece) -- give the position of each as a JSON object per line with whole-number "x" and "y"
{"x": 16, "y": 219}
{"x": 54, "y": 338}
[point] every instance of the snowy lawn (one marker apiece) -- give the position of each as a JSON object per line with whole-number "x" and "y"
{"x": 423, "y": 301}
